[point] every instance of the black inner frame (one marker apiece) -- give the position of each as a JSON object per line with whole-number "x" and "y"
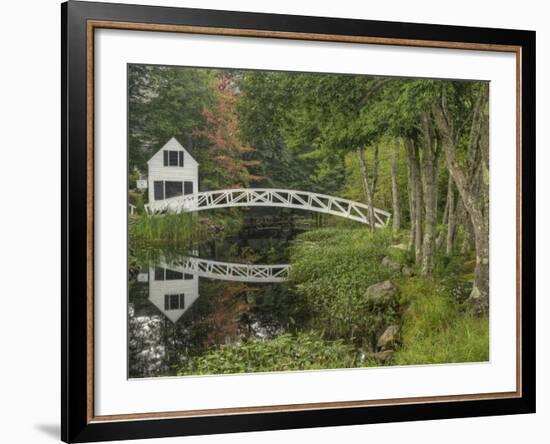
{"x": 74, "y": 423}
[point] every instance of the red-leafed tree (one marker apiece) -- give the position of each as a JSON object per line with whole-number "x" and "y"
{"x": 229, "y": 159}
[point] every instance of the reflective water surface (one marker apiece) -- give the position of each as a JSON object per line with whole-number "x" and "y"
{"x": 218, "y": 291}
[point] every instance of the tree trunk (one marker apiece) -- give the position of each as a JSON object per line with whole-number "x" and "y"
{"x": 366, "y": 186}
{"x": 430, "y": 158}
{"x": 395, "y": 190}
{"x": 418, "y": 204}
{"x": 409, "y": 149}
{"x": 451, "y": 220}
{"x": 467, "y": 239}
{"x": 474, "y": 203}
{"x": 443, "y": 230}
{"x": 376, "y": 163}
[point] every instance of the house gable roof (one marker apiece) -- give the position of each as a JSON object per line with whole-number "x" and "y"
{"x": 174, "y": 145}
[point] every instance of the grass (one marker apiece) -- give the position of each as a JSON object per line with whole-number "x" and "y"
{"x": 436, "y": 328}
{"x": 183, "y": 227}
{"x": 165, "y": 228}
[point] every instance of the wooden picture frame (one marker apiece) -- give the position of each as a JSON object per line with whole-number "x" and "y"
{"x": 79, "y": 22}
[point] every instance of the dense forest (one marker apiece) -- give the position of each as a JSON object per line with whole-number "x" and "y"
{"x": 418, "y": 148}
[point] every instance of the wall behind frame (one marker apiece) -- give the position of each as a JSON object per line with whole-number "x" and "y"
{"x": 29, "y": 226}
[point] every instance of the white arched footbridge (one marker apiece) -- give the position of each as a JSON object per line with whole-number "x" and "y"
{"x": 270, "y": 197}
{"x": 229, "y": 271}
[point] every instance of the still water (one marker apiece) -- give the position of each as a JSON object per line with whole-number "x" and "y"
{"x": 177, "y": 307}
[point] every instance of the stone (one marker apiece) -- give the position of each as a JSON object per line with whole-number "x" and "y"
{"x": 381, "y": 293}
{"x": 388, "y": 338}
{"x": 390, "y": 263}
{"x": 407, "y": 271}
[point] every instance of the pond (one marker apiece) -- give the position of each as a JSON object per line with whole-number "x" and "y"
{"x": 186, "y": 301}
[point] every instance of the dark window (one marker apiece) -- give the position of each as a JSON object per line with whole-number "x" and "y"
{"x": 159, "y": 190}
{"x": 188, "y": 187}
{"x": 174, "y": 301}
{"x": 187, "y": 276}
{"x": 172, "y": 158}
{"x": 172, "y": 275}
{"x": 173, "y": 189}
{"x": 159, "y": 274}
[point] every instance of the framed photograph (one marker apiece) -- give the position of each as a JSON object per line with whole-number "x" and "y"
{"x": 276, "y": 221}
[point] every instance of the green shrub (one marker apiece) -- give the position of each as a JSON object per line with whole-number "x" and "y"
{"x": 331, "y": 271}
{"x": 136, "y": 198}
{"x": 304, "y": 351}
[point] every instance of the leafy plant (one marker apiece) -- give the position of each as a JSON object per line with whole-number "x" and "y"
{"x": 304, "y": 351}
{"x": 331, "y": 271}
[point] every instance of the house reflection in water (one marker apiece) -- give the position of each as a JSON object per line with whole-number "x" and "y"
{"x": 171, "y": 291}
{"x": 174, "y": 287}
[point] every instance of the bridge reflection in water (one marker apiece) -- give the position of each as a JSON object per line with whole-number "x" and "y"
{"x": 174, "y": 286}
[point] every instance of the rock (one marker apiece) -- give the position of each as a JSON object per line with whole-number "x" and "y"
{"x": 407, "y": 271}
{"x": 462, "y": 291}
{"x": 390, "y": 263}
{"x": 388, "y": 338}
{"x": 381, "y": 293}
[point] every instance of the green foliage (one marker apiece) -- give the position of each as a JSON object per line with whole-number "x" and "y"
{"x": 331, "y": 271}
{"x": 133, "y": 176}
{"x": 304, "y": 351}
{"x": 353, "y": 180}
{"x": 136, "y": 198}
{"x": 437, "y": 329}
{"x": 166, "y": 102}
{"x": 262, "y": 108}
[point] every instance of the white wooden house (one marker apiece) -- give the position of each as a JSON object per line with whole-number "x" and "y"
{"x": 172, "y": 172}
{"x": 172, "y": 291}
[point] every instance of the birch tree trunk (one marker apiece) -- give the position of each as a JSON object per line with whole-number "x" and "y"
{"x": 409, "y": 150}
{"x": 430, "y": 160}
{"x": 468, "y": 236}
{"x": 419, "y": 199}
{"x": 366, "y": 186}
{"x": 451, "y": 219}
{"x": 443, "y": 231}
{"x": 395, "y": 189}
{"x": 416, "y": 201}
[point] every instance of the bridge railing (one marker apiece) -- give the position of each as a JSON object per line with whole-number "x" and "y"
{"x": 271, "y": 197}
{"x": 229, "y": 271}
